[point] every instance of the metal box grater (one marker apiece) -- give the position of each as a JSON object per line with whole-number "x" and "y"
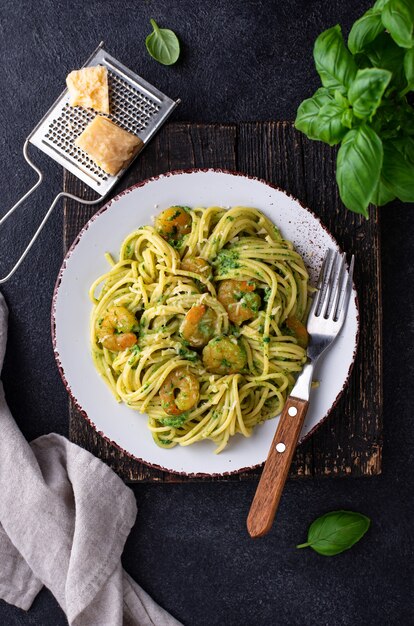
{"x": 135, "y": 106}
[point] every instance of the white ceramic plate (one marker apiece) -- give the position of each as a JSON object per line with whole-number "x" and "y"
{"x": 85, "y": 261}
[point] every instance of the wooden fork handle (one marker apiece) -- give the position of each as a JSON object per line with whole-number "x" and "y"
{"x": 276, "y": 468}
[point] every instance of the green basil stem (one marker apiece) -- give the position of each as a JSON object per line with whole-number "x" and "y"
{"x": 155, "y": 26}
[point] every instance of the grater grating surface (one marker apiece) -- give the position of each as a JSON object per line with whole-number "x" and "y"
{"x": 135, "y": 105}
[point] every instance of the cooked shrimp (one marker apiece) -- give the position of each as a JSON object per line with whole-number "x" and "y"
{"x": 224, "y": 355}
{"x": 115, "y": 329}
{"x": 183, "y": 381}
{"x": 198, "y": 326}
{"x": 197, "y": 265}
{"x": 173, "y": 223}
{"x": 239, "y": 299}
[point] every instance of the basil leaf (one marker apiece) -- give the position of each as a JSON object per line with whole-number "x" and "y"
{"x": 384, "y": 53}
{"x": 358, "y": 168}
{"x": 335, "y": 532}
{"x": 386, "y": 122}
{"x": 163, "y": 45}
{"x": 329, "y": 123}
{"x": 365, "y": 30}
{"x": 398, "y": 18}
{"x": 409, "y": 68}
{"x": 405, "y": 145}
{"x": 394, "y": 120}
{"x": 398, "y": 167}
{"x": 334, "y": 63}
{"x": 341, "y": 99}
{"x": 366, "y": 91}
{"x": 347, "y": 118}
{"x": 382, "y": 195}
{"x": 308, "y": 111}
{"x": 320, "y": 117}
{"x": 380, "y": 4}
{"x": 362, "y": 60}
{"x": 406, "y": 119}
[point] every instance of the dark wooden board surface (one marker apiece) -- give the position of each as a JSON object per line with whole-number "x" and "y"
{"x": 349, "y": 442}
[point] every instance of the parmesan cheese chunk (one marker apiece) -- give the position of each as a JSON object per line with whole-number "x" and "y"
{"x": 88, "y": 88}
{"x": 111, "y": 147}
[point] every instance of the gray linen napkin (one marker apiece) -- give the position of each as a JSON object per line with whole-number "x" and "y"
{"x": 64, "y": 519}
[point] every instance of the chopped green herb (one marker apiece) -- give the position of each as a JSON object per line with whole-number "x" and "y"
{"x": 277, "y": 232}
{"x": 176, "y": 421}
{"x": 234, "y": 330}
{"x": 226, "y": 260}
{"x": 189, "y": 355}
{"x": 251, "y": 301}
{"x": 172, "y": 217}
{"x": 175, "y": 243}
{"x": 268, "y": 291}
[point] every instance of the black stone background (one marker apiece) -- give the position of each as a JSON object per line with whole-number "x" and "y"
{"x": 241, "y": 60}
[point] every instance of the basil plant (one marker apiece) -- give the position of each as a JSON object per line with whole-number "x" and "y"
{"x": 363, "y": 107}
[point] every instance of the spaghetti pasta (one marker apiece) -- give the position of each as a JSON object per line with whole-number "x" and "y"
{"x": 200, "y": 323}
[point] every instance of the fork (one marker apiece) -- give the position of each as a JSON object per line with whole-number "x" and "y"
{"x": 326, "y": 318}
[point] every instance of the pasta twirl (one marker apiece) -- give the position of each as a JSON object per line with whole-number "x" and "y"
{"x": 197, "y": 323}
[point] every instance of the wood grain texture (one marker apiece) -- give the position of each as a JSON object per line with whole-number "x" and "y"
{"x": 349, "y": 442}
{"x": 276, "y": 468}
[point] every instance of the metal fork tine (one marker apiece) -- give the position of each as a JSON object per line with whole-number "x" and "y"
{"x": 322, "y": 270}
{"x": 323, "y": 282}
{"x": 316, "y": 295}
{"x": 335, "y": 286}
{"x": 341, "y": 286}
{"x": 345, "y": 293}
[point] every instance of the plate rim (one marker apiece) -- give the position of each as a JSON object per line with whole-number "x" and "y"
{"x": 62, "y": 269}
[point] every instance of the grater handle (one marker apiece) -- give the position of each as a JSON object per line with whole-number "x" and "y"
{"x": 46, "y": 217}
{"x": 29, "y": 193}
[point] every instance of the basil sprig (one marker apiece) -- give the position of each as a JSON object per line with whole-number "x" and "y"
{"x": 163, "y": 44}
{"x": 336, "y": 532}
{"x": 363, "y": 105}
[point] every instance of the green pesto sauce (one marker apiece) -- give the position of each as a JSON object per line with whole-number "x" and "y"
{"x": 189, "y": 355}
{"x": 251, "y": 301}
{"x": 267, "y": 292}
{"x": 176, "y": 421}
{"x": 234, "y": 330}
{"x": 174, "y": 241}
{"x": 129, "y": 251}
{"x": 277, "y": 232}
{"x": 174, "y": 216}
{"x": 226, "y": 260}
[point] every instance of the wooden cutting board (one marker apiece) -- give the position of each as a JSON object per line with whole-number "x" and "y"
{"x": 349, "y": 442}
